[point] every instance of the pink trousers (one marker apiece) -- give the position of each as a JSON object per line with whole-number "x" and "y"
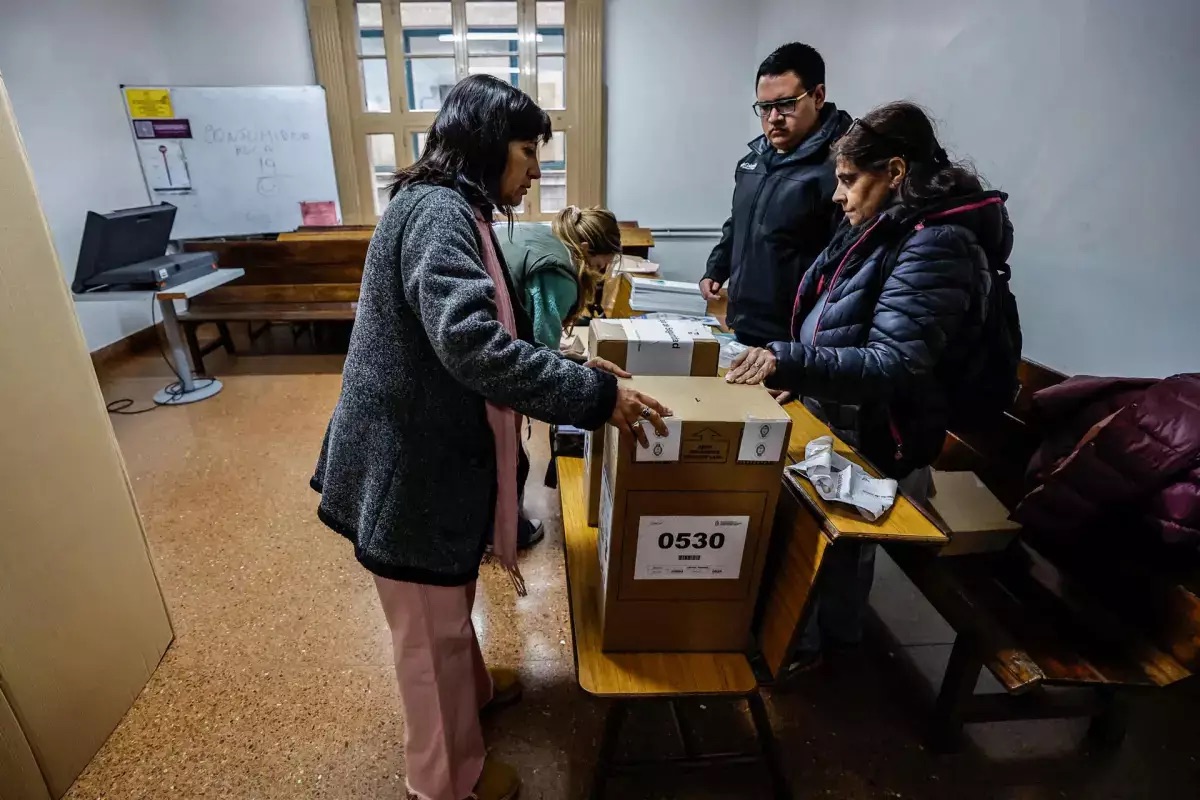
{"x": 443, "y": 685}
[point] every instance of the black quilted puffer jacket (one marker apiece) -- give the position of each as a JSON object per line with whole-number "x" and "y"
{"x": 888, "y": 347}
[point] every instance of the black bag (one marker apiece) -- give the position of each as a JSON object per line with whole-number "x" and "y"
{"x": 990, "y": 386}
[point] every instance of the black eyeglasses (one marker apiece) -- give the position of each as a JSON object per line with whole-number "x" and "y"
{"x": 786, "y": 107}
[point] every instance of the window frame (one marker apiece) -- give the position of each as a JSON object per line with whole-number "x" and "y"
{"x": 334, "y": 31}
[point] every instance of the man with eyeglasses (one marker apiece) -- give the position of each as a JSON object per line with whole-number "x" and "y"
{"x": 783, "y": 210}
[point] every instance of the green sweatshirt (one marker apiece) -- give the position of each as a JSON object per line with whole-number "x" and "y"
{"x": 543, "y": 274}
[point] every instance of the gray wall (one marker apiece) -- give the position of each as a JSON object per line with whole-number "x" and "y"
{"x": 1086, "y": 112}
{"x": 63, "y": 61}
{"x": 679, "y": 78}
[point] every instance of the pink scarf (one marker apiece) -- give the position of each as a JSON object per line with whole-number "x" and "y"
{"x": 506, "y": 427}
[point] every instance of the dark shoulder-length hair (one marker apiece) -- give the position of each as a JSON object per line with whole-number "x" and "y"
{"x": 467, "y": 147}
{"x": 904, "y": 130}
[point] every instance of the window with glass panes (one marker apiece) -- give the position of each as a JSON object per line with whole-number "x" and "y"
{"x": 388, "y": 65}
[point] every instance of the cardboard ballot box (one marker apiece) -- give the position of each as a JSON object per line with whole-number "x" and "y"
{"x": 644, "y": 347}
{"x": 685, "y": 524}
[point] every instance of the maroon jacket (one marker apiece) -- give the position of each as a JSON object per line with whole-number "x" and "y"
{"x": 1118, "y": 449}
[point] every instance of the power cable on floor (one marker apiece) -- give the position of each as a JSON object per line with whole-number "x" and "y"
{"x": 174, "y": 390}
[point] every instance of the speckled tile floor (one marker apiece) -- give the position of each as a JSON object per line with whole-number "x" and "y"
{"x": 279, "y": 683}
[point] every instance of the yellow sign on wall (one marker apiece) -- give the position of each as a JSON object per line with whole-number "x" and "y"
{"x": 149, "y": 103}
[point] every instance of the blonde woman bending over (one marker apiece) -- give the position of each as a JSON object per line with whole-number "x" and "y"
{"x": 556, "y": 268}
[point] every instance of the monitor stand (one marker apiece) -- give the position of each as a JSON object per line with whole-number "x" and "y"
{"x": 187, "y": 389}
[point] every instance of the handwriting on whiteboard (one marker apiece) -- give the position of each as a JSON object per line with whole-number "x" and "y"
{"x": 257, "y": 144}
{"x": 214, "y": 134}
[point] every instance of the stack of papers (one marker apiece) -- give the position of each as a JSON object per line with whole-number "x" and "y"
{"x": 707, "y": 319}
{"x": 668, "y": 297}
{"x": 636, "y": 265}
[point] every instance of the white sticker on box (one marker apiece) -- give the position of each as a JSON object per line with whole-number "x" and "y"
{"x": 690, "y": 548}
{"x": 657, "y": 347}
{"x": 762, "y": 440}
{"x": 664, "y": 448}
{"x": 587, "y": 452}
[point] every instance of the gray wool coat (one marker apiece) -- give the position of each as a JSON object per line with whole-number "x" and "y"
{"x": 407, "y": 470}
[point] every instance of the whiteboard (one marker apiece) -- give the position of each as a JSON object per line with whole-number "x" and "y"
{"x": 235, "y": 160}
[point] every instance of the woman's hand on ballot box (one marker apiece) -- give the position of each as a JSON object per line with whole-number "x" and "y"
{"x": 634, "y": 410}
{"x": 604, "y": 365}
{"x": 751, "y": 366}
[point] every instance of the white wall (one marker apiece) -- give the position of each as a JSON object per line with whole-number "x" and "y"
{"x": 1085, "y": 111}
{"x": 679, "y": 78}
{"x": 237, "y": 43}
{"x": 63, "y": 61}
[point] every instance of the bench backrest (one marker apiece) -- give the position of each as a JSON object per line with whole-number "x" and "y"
{"x": 319, "y": 270}
{"x": 1000, "y": 454}
{"x": 1157, "y": 592}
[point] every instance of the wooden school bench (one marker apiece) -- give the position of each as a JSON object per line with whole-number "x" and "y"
{"x": 1103, "y": 620}
{"x": 296, "y": 278}
{"x": 626, "y": 678}
{"x": 309, "y": 275}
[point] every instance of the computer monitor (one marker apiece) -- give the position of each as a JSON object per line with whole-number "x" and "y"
{"x": 122, "y": 237}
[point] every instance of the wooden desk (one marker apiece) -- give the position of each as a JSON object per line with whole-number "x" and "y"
{"x": 628, "y": 677}
{"x": 905, "y": 522}
{"x": 806, "y": 526}
{"x": 615, "y": 294}
{"x": 634, "y": 240}
{"x": 351, "y": 232}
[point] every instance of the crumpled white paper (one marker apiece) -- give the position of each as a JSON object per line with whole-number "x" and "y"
{"x": 837, "y": 479}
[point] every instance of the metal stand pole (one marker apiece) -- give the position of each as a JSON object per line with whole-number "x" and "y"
{"x": 187, "y": 391}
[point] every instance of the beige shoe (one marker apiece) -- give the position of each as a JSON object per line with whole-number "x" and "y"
{"x": 506, "y": 690}
{"x": 499, "y": 781}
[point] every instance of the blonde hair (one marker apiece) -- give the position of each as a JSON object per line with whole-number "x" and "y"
{"x": 586, "y": 232}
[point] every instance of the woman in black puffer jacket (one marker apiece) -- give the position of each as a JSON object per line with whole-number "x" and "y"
{"x": 888, "y": 319}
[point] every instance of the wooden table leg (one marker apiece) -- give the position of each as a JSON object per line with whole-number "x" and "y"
{"x": 193, "y": 344}
{"x": 613, "y": 723}
{"x": 226, "y": 338}
{"x": 1107, "y": 728}
{"x": 770, "y": 748}
{"x": 958, "y": 687}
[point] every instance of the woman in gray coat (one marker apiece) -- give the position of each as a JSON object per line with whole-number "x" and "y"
{"x": 420, "y": 457}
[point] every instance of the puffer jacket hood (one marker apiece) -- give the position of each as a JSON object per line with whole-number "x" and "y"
{"x": 984, "y": 214}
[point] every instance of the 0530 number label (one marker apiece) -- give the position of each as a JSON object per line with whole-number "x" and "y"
{"x": 694, "y": 541}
